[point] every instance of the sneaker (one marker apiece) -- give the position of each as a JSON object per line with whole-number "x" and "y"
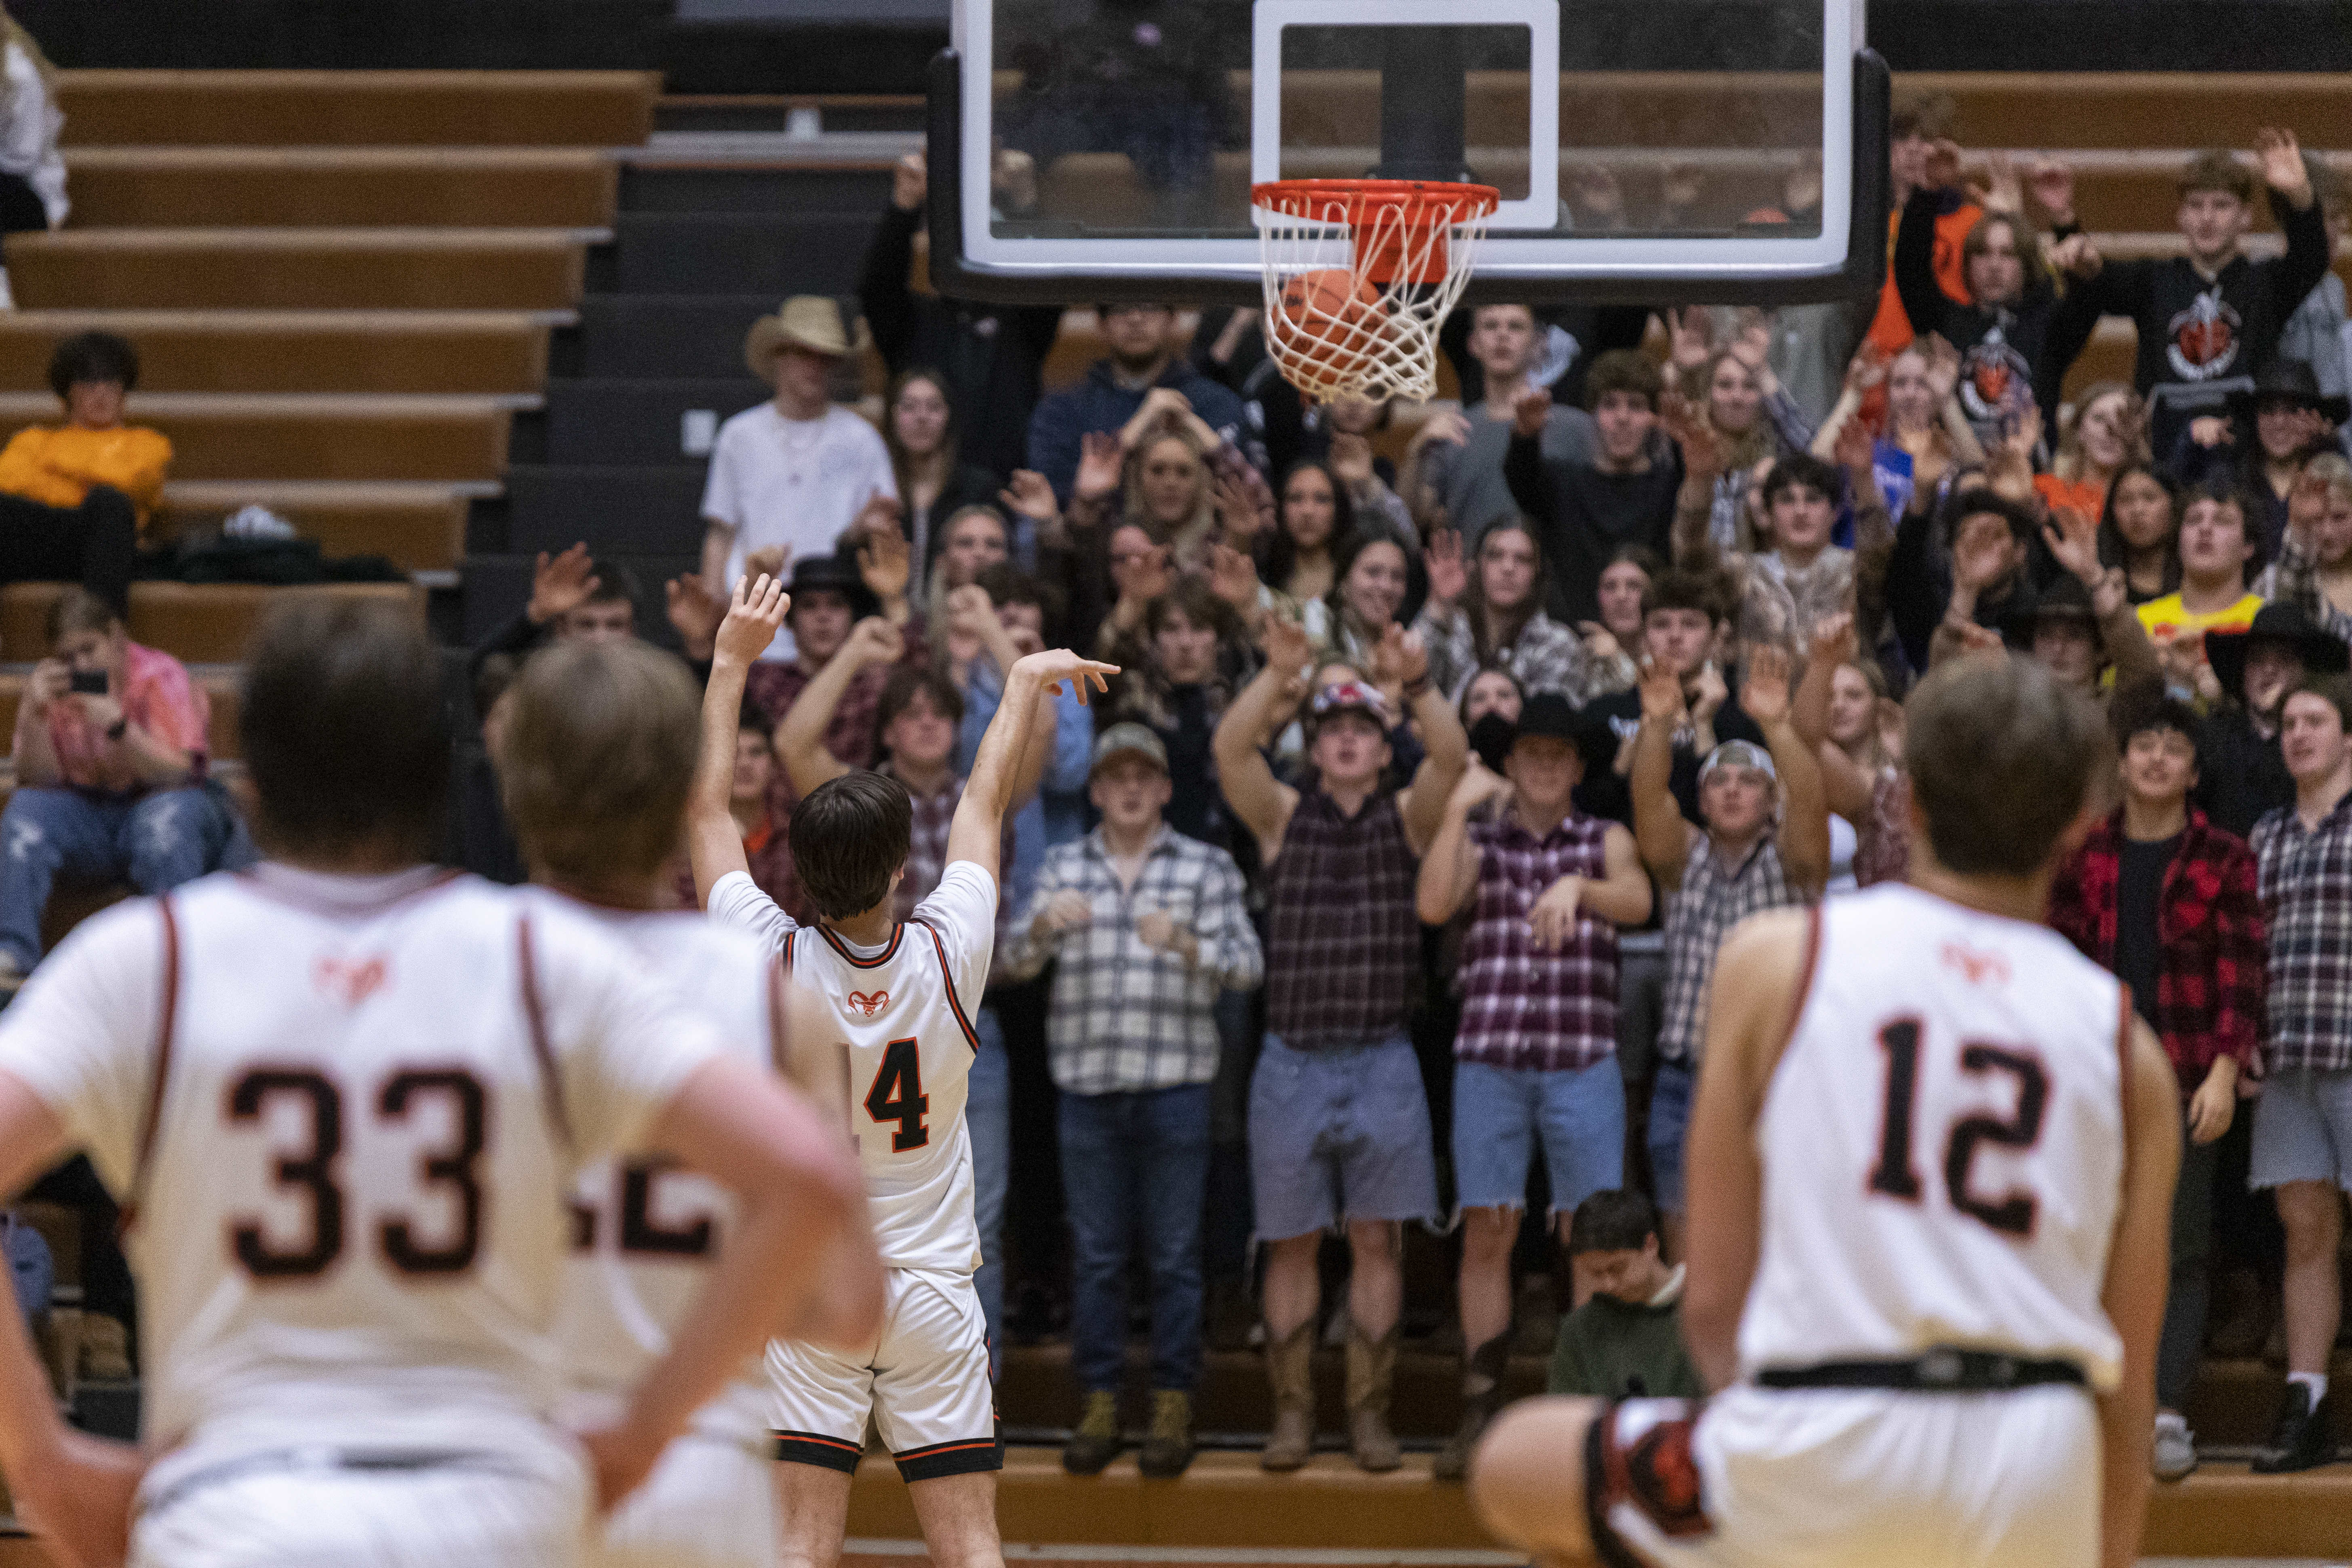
{"x": 1169, "y": 1449}
{"x": 1097, "y": 1441}
{"x": 2301, "y": 1440}
{"x": 2175, "y": 1454}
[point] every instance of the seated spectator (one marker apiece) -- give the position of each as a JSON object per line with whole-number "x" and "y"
{"x": 2242, "y": 772}
{"x": 1148, "y": 926}
{"x": 1536, "y": 1056}
{"x": 74, "y": 498}
{"x": 933, "y": 482}
{"x": 2010, "y": 367}
{"x": 997, "y": 353}
{"x": 2139, "y": 530}
{"x": 2272, "y": 428}
{"x": 2315, "y": 571}
{"x": 1979, "y": 577}
{"x": 1493, "y": 617}
{"x": 2169, "y": 904}
{"x": 1584, "y": 511}
{"x": 1339, "y": 1125}
{"x": 2316, "y": 333}
{"x": 1732, "y": 394}
{"x": 1683, "y": 626}
{"x": 32, "y": 170}
{"x": 1748, "y": 857}
{"x": 796, "y": 471}
{"x": 2304, "y": 1121}
{"x": 1928, "y": 439}
{"x": 2218, "y": 556}
{"x": 1143, "y": 358}
{"x": 2109, "y": 429}
{"x": 1455, "y": 460}
{"x": 2208, "y": 321}
{"x": 110, "y": 748}
{"x": 1627, "y": 1340}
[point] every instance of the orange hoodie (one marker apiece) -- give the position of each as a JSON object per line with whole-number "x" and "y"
{"x": 57, "y": 467}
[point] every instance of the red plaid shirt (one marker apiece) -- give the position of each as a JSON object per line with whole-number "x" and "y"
{"x": 2209, "y": 920}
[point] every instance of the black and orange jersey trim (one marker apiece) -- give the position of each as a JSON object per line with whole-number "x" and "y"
{"x": 877, "y": 961}
{"x": 167, "y": 1032}
{"x": 970, "y": 1455}
{"x": 535, "y": 1015}
{"x": 947, "y": 978}
{"x": 817, "y": 1448}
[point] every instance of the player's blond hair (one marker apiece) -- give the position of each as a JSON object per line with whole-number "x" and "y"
{"x": 598, "y": 756}
{"x": 2001, "y": 757}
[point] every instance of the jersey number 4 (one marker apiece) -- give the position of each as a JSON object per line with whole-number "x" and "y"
{"x": 1894, "y": 1175}
{"x": 898, "y": 1095}
{"x": 311, "y": 1172}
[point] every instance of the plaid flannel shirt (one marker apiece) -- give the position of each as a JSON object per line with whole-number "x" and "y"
{"x": 1126, "y": 1016}
{"x": 1343, "y": 945}
{"x": 2209, "y": 927}
{"x": 1522, "y": 1007}
{"x": 1700, "y": 914}
{"x": 927, "y": 858}
{"x": 2307, "y": 890}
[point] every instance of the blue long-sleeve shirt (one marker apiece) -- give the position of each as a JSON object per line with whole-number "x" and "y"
{"x": 1100, "y": 404}
{"x": 1058, "y": 813}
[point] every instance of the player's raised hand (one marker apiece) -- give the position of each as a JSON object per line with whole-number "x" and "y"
{"x": 77, "y": 1497}
{"x": 755, "y": 614}
{"x": 1056, "y": 665}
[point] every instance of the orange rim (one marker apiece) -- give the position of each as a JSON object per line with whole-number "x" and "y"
{"x": 1423, "y": 202}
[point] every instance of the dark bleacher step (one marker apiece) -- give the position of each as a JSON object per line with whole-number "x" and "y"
{"x": 772, "y": 112}
{"x": 641, "y": 510}
{"x": 625, "y": 337}
{"x": 636, "y": 423}
{"x": 496, "y": 587}
{"x": 774, "y": 253}
{"x": 767, "y": 188}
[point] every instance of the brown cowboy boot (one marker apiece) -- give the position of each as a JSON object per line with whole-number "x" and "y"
{"x": 1482, "y": 1395}
{"x": 1371, "y": 1374}
{"x": 1290, "y": 1367}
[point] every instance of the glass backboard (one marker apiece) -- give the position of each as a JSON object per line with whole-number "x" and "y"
{"x": 1106, "y": 148}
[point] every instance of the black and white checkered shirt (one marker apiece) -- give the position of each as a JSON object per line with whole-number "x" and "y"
{"x": 2307, "y": 889}
{"x": 1124, "y": 1016}
{"x": 1714, "y": 897}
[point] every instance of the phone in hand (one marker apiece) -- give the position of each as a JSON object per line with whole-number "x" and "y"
{"x": 88, "y": 683}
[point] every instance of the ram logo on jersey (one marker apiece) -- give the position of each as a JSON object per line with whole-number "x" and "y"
{"x": 351, "y": 983}
{"x": 869, "y": 1002}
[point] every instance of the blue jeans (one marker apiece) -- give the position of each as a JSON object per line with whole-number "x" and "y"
{"x": 157, "y": 842}
{"x": 1129, "y": 1159}
{"x": 1670, "y": 1109}
{"x": 1499, "y": 1112}
{"x": 987, "y": 1116}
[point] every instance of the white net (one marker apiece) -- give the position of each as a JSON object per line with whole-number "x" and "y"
{"x": 1360, "y": 275}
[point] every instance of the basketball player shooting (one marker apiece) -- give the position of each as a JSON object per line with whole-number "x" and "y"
{"x": 1931, "y": 1170}
{"x": 901, "y": 995}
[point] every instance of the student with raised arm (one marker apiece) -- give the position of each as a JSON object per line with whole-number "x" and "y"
{"x": 1339, "y": 1127}
{"x": 903, "y": 988}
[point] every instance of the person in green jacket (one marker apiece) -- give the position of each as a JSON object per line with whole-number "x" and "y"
{"x": 1626, "y": 1342}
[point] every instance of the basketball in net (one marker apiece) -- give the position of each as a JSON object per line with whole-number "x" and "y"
{"x": 1360, "y": 276}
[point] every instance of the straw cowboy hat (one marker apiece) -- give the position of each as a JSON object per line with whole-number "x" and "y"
{"x": 811, "y": 321}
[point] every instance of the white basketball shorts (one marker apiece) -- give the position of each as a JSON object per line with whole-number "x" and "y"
{"x": 300, "y": 1510}
{"x": 1837, "y": 1478}
{"x": 709, "y": 1504}
{"x": 924, "y": 1380}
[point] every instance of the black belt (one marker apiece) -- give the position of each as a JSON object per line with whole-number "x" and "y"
{"x": 1942, "y": 1370}
{"x": 283, "y": 1461}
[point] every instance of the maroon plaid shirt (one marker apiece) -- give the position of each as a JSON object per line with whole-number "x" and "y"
{"x": 1522, "y": 1007}
{"x": 1343, "y": 945}
{"x": 2209, "y": 921}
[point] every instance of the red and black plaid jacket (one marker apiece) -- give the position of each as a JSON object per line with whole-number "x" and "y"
{"x": 2209, "y": 920}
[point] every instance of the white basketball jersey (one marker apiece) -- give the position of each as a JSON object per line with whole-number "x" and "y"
{"x": 346, "y": 1112}
{"x": 1942, "y": 1144}
{"x": 905, "y": 1016}
{"x": 646, "y": 1234}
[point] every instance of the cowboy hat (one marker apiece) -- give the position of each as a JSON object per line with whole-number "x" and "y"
{"x": 840, "y": 574}
{"x": 2063, "y": 597}
{"x": 811, "y": 321}
{"x": 2322, "y": 654}
{"x": 2286, "y": 380}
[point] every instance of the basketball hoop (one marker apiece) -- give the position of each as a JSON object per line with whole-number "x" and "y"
{"x": 1361, "y": 274}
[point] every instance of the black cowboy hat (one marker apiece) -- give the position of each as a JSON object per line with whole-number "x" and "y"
{"x": 2063, "y": 597}
{"x": 2286, "y": 380}
{"x": 2321, "y": 652}
{"x": 839, "y": 574}
{"x": 1551, "y": 713}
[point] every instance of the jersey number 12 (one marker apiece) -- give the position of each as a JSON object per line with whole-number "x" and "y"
{"x": 1896, "y": 1175}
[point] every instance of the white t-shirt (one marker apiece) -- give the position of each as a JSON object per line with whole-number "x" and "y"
{"x": 345, "y": 1112}
{"x": 905, "y": 1011}
{"x": 28, "y": 134}
{"x": 795, "y": 483}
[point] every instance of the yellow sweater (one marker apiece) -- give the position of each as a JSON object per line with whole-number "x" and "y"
{"x": 56, "y": 467}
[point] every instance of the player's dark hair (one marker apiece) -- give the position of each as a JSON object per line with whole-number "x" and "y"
{"x": 598, "y": 755}
{"x": 93, "y": 357}
{"x": 2002, "y": 756}
{"x": 1613, "y": 1221}
{"x": 1624, "y": 369}
{"x": 346, "y": 732}
{"x": 849, "y": 838}
{"x": 1802, "y": 468}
